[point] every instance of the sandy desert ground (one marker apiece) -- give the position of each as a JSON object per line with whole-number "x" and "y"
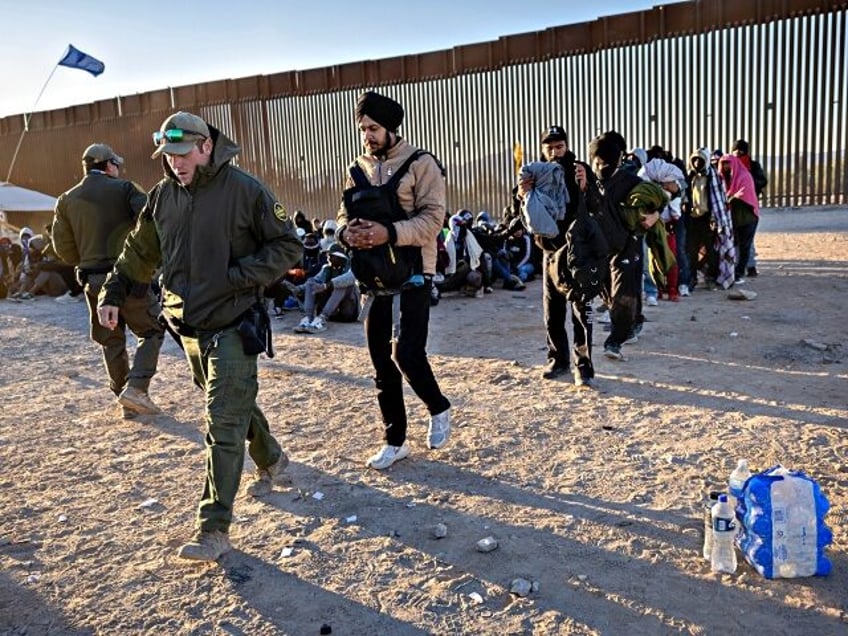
{"x": 595, "y": 497}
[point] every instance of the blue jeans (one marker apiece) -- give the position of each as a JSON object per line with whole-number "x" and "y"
{"x": 682, "y": 255}
{"x": 525, "y": 271}
{"x": 501, "y": 269}
{"x": 648, "y": 283}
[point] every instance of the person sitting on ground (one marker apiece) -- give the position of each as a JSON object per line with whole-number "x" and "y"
{"x": 302, "y": 223}
{"x": 44, "y": 281}
{"x": 332, "y": 291}
{"x": 465, "y": 272}
{"x": 22, "y": 277}
{"x": 513, "y": 262}
{"x": 6, "y": 266}
{"x": 328, "y": 234}
{"x": 50, "y": 262}
{"x": 288, "y": 293}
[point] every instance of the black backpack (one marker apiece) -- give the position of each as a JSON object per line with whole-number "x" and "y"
{"x": 606, "y": 209}
{"x": 384, "y": 268}
{"x": 579, "y": 269}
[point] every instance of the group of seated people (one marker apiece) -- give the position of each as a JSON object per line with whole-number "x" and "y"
{"x": 472, "y": 256}
{"x": 30, "y": 268}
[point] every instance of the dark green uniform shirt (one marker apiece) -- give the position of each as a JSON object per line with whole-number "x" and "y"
{"x": 92, "y": 219}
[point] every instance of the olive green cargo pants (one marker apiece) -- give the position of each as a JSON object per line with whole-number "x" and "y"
{"x": 139, "y": 314}
{"x": 229, "y": 380}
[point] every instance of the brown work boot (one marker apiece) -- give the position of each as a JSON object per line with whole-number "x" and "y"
{"x": 138, "y": 401}
{"x": 270, "y": 476}
{"x": 206, "y": 546}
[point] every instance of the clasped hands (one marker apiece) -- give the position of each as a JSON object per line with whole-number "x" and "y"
{"x": 363, "y": 235}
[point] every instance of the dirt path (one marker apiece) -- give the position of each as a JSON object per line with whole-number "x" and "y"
{"x": 595, "y": 496}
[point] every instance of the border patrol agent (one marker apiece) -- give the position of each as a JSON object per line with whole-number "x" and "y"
{"x": 90, "y": 223}
{"x": 221, "y": 237}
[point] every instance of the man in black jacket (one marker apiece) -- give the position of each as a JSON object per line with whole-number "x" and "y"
{"x": 554, "y": 303}
{"x": 624, "y": 292}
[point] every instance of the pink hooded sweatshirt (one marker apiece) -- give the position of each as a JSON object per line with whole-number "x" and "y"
{"x": 741, "y": 182}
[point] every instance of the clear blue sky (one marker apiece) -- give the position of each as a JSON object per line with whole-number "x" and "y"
{"x": 153, "y": 44}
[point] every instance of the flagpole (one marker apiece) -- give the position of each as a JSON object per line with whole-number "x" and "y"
{"x": 26, "y": 124}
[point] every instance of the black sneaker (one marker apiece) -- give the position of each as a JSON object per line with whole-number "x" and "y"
{"x": 613, "y": 352}
{"x": 553, "y": 369}
{"x": 752, "y": 272}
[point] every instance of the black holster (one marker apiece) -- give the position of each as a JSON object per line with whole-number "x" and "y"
{"x": 255, "y": 331}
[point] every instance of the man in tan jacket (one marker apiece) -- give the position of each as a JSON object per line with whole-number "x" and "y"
{"x": 420, "y": 193}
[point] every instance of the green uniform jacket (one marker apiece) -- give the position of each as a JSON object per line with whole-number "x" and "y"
{"x": 92, "y": 219}
{"x": 219, "y": 242}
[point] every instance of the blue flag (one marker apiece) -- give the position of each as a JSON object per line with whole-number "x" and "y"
{"x": 74, "y": 58}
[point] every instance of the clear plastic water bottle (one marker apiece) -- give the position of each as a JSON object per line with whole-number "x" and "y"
{"x": 708, "y": 523}
{"x": 736, "y": 483}
{"x": 723, "y": 552}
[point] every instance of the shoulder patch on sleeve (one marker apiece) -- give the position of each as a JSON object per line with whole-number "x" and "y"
{"x": 280, "y": 211}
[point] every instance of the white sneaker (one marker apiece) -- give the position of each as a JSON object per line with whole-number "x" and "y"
{"x": 303, "y": 325}
{"x": 67, "y": 298}
{"x": 740, "y": 281}
{"x": 388, "y": 455}
{"x": 651, "y": 301}
{"x": 317, "y": 325}
{"x": 439, "y": 429}
{"x": 684, "y": 290}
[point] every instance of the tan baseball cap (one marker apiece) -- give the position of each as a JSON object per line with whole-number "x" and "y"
{"x": 178, "y": 134}
{"x": 98, "y": 153}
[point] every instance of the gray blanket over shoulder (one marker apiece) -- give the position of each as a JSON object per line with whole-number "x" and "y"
{"x": 545, "y": 204}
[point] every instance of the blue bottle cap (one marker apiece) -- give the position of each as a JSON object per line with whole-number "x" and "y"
{"x": 722, "y": 498}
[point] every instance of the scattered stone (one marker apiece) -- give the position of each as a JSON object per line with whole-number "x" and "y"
{"x": 286, "y": 553}
{"x": 148, "y": 503}
{"x": 520, "y": 587}
{"x": 582, "y": 577}
{"x": 318, "y": 495}
{"x": 733, "y": 334}
{"x": 487, "y": 545}
{"x": 440, "y": 531}
{"x": 325, "y": 629}
{"x": 476, "y": 598}
{"x": 351, "y": 519}
{"x": 741, "y": 294}
{"x": 62, "y": 518}
{"x": 818, "y": 346}
{"x": 534, "y": 587}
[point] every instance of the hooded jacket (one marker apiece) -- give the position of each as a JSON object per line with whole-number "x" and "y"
{"x": 220, "y": 241}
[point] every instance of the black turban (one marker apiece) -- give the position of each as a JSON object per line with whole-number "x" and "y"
{"x": 607, "y": 148}
{"x": 383, "y": 110}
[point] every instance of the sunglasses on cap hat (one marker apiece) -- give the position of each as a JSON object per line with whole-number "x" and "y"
{"x": 174, "y": 135}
